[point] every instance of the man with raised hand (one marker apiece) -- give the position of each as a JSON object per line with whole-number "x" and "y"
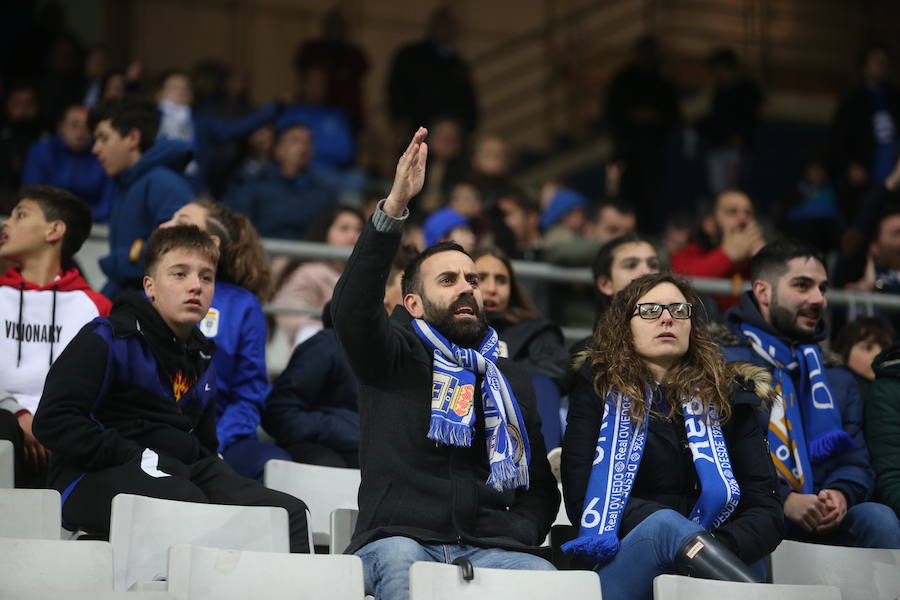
{"x": 453, "y": 463}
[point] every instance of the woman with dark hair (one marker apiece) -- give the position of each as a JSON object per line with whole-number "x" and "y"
{"x": 527, "y": 338}
{"x": 308, "y": 285}
{"x": 664, "y": 466}
{"x": 236, "y": 323}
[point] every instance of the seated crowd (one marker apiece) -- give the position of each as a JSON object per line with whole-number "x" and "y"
{"x": 687, "y": 434}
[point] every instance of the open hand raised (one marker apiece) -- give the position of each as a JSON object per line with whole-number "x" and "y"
{"x": 410, "y": 175}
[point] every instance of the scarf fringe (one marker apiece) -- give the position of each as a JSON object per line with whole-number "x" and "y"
{"x": 827, "y": 445}
{"x": 593, "y": 548}
{"x": 506, "y": 475}
{"x": 450, "y": 434}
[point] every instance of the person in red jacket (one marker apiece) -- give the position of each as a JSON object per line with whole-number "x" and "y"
{"x": 729, "y": 236}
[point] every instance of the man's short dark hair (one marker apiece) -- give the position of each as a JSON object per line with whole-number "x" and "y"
{"x": 411, "y": 282}
{"x": 619, "y": 206}
{"x": 126, "y": 114}
{"x": 770, "y": 262}
{"x": 61, "y": 205}
{"x": 525, "y": 201}
{"x": 187, "y": 237}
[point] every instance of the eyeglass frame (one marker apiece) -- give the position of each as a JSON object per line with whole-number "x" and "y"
{"x": 637, "y": 310}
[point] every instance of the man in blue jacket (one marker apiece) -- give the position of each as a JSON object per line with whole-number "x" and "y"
{"x": 815, "y": 428}
{"x": 64, "y": 160}
{"x": 149, "y": 184}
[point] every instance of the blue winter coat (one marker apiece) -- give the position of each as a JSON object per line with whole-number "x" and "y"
{"x": 147, "y": 194}
{"x": 236, "y": 324}
{"x": 50, "y": 162}
{"x": 278, "y": 206}
{"x": 850, "y": 472}
{"x": 314, "y": 399}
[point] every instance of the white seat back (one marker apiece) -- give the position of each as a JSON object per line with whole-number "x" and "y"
{"x": 200, "y": 573}
{"x": 30, "y": 514}
{"x": 860, "y": 573}
{"x": 343, "y": 523}
{"x": 323, "y": 489}
{"x": 7, "y": 464}
{"x": 438, "y": 581}
{"x": 677, "y": 587}
{"x": 54, "y": 567}
{"x": 142, "y": 530}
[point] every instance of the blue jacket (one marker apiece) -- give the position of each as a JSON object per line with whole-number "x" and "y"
{"x": 50, "y": 162}
{"x": 335, "y": 147}
{"x": 278, "y": 206}
{"x": 314, "y": 399}
{"x": 236, "y": 323}
{"x": 850, "y": 472}
{"x": 147, "y": 194}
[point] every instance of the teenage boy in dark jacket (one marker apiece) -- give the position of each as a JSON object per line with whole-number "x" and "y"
{"x": 130, "y": 405}
{"x": 148, "y": 180}
{"x": 439, "y": 480}
{"x": 815, "y": 428}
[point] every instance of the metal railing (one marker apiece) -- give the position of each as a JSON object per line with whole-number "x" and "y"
{"x": 540, "y": 271}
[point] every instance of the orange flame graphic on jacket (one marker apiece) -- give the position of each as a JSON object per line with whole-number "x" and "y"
{"x": 180, "y": 385}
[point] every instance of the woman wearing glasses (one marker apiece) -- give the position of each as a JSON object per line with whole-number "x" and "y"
{"x": 664, "y": 467}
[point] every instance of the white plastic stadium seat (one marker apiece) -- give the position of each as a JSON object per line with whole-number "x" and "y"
{"x": 54, "y": 567}
{"x": 7, "y": 465}
{"x": 142, "y": 530}
{"x": 200, "y": 573}
{"x": 323, "y": 489}
{"x": 860, "y": 573}
{"x": 95, "y": 596}
{"x": 30, "y": 514}
{"x": 677, "y": 587}
{"x": 343, "y": 523}
{"x": 438, "y": 581}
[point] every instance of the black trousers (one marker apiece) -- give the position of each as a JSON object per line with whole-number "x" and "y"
{"x": 211, "y": 480}
{"x": 27, "y": 476}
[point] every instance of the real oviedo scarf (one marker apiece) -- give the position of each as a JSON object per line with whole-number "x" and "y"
{"x": 453, "y": 394}
{"x": 620, "y": 448}
{"x": 805, "y": 426}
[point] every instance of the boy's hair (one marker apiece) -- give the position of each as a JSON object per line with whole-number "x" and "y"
{"x": 60, "y": 205}
{"x": 187, "y": 237}
{"x": 126, "y": 114}
{"x": 861, "y": 330}
{"x": 412, "y": 282}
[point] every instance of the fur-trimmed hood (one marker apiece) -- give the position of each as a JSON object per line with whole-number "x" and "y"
{"x": 755, "y": 380}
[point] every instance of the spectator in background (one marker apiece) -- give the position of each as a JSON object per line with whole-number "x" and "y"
{"x": 730, "y": 126}
{"x": 612, "y": 219}
{"x": 430, "y": 80}
{"x": 643, "y": 112}
{"x": 148, "y": 180}
{"x": 96, "y": 71}
{"x": 343, "y": 64}
{"x": 20, "y": 126}
{"x": 811, "y": 213}
{"x": 864, "y": 139}
{"x": 235, "y": 322}
{"x": 61, "y": 84}
{"x": 727, "y": 239}
{"x": 883, "y": 426}
{"x": 490, "y": 169}
{"x": 200, "y": 129}
{"x": 65, "y": 161}
{"x": 564, "y": 219}
{"x": 448, "y": 225}
{"x": 130, "y": 405}
{"x": 309, "y": 284}
{"x": 286, "y": 197}
{"x": 526, "y": 338}
{"x": 815, "y": 426}
{"x": 446, "y": 164}
{"x": 258, "y": 155}
{"x": 521, "y": 215}
{"x": 858, "y": 343}
{"x": 44, "y": 301}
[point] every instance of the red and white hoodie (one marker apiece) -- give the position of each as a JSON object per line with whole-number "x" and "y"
{"x": 38, "y": 323}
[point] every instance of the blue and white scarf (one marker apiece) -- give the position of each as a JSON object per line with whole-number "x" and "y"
{"x": 805, "y": 426}
{"x": 453, "y": 411}
{"x": 620, "y": 448}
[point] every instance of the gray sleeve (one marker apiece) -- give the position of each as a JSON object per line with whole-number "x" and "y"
{"x": 385, "y": 223}
{"x": 9, "y": 402}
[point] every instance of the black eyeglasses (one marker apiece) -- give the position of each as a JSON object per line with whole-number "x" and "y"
{"x": 650, "y": 311}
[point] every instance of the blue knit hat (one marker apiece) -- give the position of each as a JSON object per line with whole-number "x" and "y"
{"x": 563, "y": 202}
{"x": 440, "y": 223}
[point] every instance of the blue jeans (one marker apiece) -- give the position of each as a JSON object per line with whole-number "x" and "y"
{"x": 866, "y": 525}
{"x": 386, "y": 562}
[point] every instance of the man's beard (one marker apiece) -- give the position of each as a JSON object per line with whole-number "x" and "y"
{"x": 467, "y": 333}
{"x": 785, "y": 321}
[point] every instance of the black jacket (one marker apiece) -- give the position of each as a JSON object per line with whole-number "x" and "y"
{"x": 667, "y": 477}
{"x": 125, "y": 383}
{"x": 536, "y": 344}
{"x": 410, "y": 486}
